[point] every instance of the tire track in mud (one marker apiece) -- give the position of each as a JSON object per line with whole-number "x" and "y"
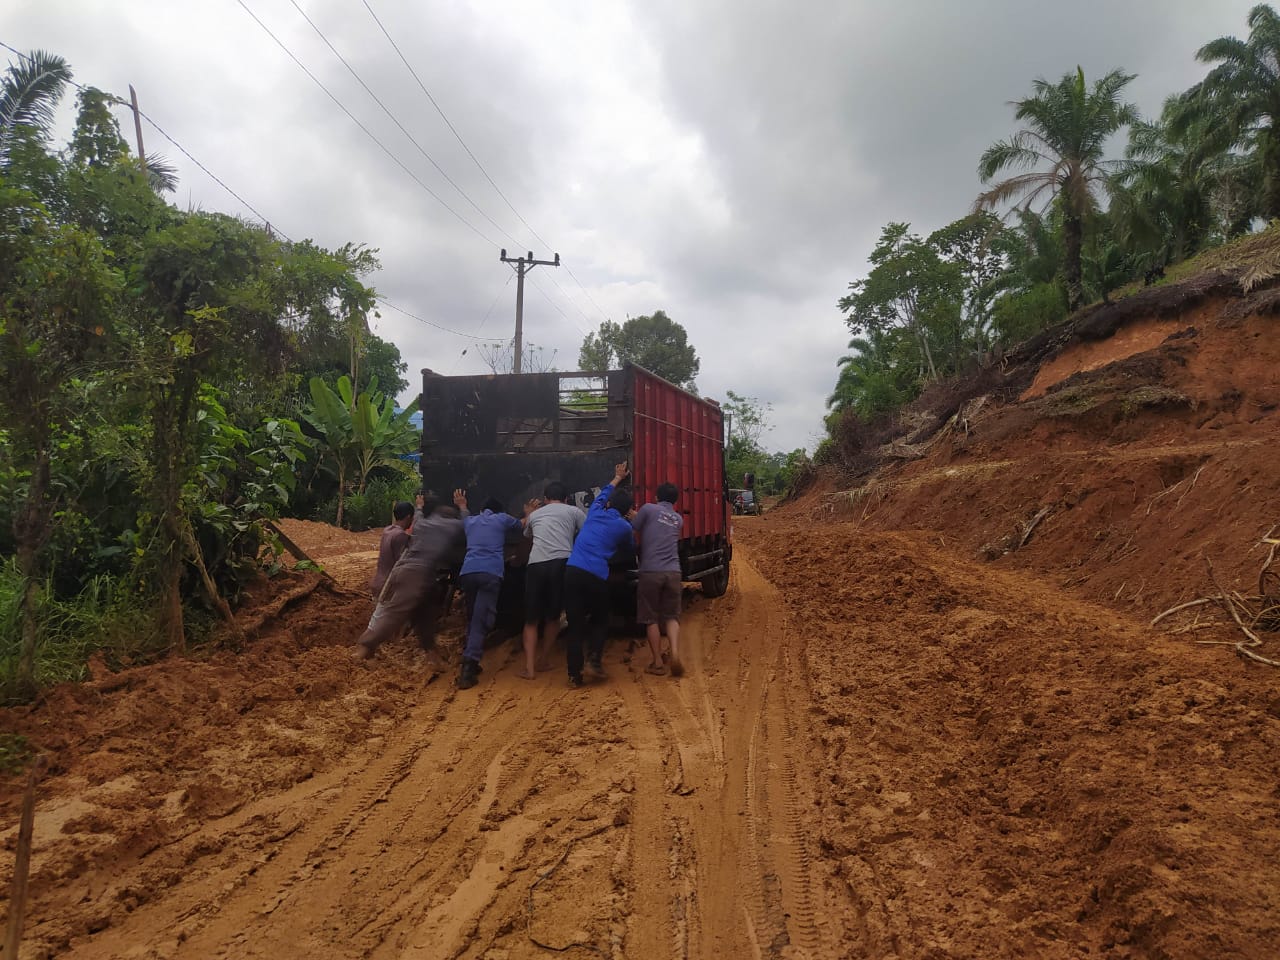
{"x": 728, "y": 817}
{"x": 657, "y": 818}
{"x": 442, "y": 778}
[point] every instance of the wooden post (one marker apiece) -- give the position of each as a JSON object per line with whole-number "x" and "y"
{"x": 296, "y": 550}
{"x": 137, "y": 128}
{"x": 22, "y": 863}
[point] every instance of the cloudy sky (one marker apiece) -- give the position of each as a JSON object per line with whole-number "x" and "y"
{"x": 731, "y": 163}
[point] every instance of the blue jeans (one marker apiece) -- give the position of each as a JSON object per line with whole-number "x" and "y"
{"x": 482, "y": 591}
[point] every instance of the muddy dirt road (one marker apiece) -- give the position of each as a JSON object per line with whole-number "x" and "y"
{"x": 879, "y": 750}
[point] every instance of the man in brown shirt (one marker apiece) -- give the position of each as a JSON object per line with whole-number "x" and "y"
{"x": 395, "y": 538}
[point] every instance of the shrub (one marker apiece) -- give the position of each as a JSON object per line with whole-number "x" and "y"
{"x": 99, "y": 618}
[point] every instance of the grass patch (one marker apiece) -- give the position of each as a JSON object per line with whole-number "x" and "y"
{"x": 102, "y": 617}
{"x": 15, "y": 752}
{"x": 1152, "y": 396}
{"x": 1075, "y": 400}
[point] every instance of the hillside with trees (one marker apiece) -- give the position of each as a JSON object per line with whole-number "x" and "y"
{"x": 1085, "y": 201}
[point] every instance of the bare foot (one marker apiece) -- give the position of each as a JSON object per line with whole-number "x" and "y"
{"x": 657, "y": 669}
{"x": 360, "y": 652}
{"x": 524, "y": 674}
{"x": 677, "y": 668}
{"x": 542, "y": 666}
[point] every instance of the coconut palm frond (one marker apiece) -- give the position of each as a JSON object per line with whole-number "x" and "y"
{"x": 161, "y": 174}
{"x": 29, "y": 94}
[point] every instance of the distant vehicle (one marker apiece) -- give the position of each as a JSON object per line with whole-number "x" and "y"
{"x": 508, "y": 435}
{"x": 744, "y": 502}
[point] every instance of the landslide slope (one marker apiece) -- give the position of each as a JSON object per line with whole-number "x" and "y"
{"x": 1116, "y": 454}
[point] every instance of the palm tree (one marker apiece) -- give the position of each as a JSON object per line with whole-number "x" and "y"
{"x": 869, "y": 380}
{"x": 29, "y": 93}
{"x": 1241, "y": 96}
{"x": 162, "y": 175}
{"x": 1165, "y": 197}
{"x": 1067, "y": 128}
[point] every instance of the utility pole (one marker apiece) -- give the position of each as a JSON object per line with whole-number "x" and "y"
{"x": 137, "y": 127}
{"x": 522, "y": 266}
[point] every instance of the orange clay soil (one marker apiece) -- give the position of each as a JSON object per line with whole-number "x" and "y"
{"x": 897, "y": 736}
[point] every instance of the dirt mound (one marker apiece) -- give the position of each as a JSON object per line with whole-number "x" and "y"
{"x": 322, "y": 540}
{"x": 137, "y": 756}
{"x": 1002, "y": 772}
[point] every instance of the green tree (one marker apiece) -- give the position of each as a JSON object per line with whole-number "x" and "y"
{"x": 1068, "y": 126}
{"x": 359, "y": 433}
{"x": 749, "y": 420}
{"x": 1239, "y": 100}
{"x": 655, "y": 342}
{"x": 143, "y": 347}
{"x": 1031, "y": 294}
{"x": 1173, "y": 195}
{"x": 873, "y": 378}
{"x": 910, "y": 287}
{"x": 978, "y": 246}
{"x": 598, "y": 352}
{"x": 97, "y": 141}
{"x": 57, "y": 295}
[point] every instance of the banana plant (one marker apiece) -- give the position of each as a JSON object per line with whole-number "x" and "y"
{"x": 359, "y": 433}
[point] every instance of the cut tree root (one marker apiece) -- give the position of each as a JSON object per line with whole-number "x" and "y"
{"x": 548, "y": 872}
{"x": 1266, "y": 617}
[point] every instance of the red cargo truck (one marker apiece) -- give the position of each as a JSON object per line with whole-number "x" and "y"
{"x": 508, "y": 435}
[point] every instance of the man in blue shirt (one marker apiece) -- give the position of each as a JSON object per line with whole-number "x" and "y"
{"x": 586, "y": 575}
{"x": 481, "y": 577}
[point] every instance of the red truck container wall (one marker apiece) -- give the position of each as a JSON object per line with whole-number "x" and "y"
{"x": 679, "y": 438}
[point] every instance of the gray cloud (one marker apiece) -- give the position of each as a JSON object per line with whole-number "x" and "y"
{"x": 729, "y": 163}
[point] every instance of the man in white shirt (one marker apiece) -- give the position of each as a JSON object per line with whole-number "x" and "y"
{"x": 553, "y": 528}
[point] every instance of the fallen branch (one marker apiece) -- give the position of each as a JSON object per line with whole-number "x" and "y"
{"x": 1035, "y": 522}
{"x": 278, "y": 605}
{"x": 293, "y": 548}
{"x": 1184, "y": 606}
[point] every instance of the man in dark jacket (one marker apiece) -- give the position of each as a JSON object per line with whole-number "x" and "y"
{"x": 414, "y": 592}
{"x": 586, "y": 575}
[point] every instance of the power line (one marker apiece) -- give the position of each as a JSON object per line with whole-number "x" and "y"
{"x": 218, "y": 180}
{"x": 476, "y": 160}
{"x": 360, "y": 80}
{"x": 488, "y": 312}
{"x": 555, "y": 306}
{"x": 430, "y": 323}
{"x": 463, "y": 220}
{"x": 452, "y": 129}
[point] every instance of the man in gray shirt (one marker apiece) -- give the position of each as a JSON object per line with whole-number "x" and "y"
{"x": 552, "y": 527}
{"x": 658, "y": 527}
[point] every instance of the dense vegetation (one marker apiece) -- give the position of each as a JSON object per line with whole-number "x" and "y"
{"x": 1078, "y": 226}
{"x": 149, "y": 356}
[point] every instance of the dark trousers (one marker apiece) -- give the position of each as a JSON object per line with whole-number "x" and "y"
{"x": 412, "y": 596}
{"x": 586, "y": 601}
{"x": 482, "y": 591}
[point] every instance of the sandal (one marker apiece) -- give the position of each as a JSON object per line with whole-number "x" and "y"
{"x": 656, "y": 669}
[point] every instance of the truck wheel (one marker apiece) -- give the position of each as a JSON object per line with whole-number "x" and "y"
{"x": 716, "y": 584}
